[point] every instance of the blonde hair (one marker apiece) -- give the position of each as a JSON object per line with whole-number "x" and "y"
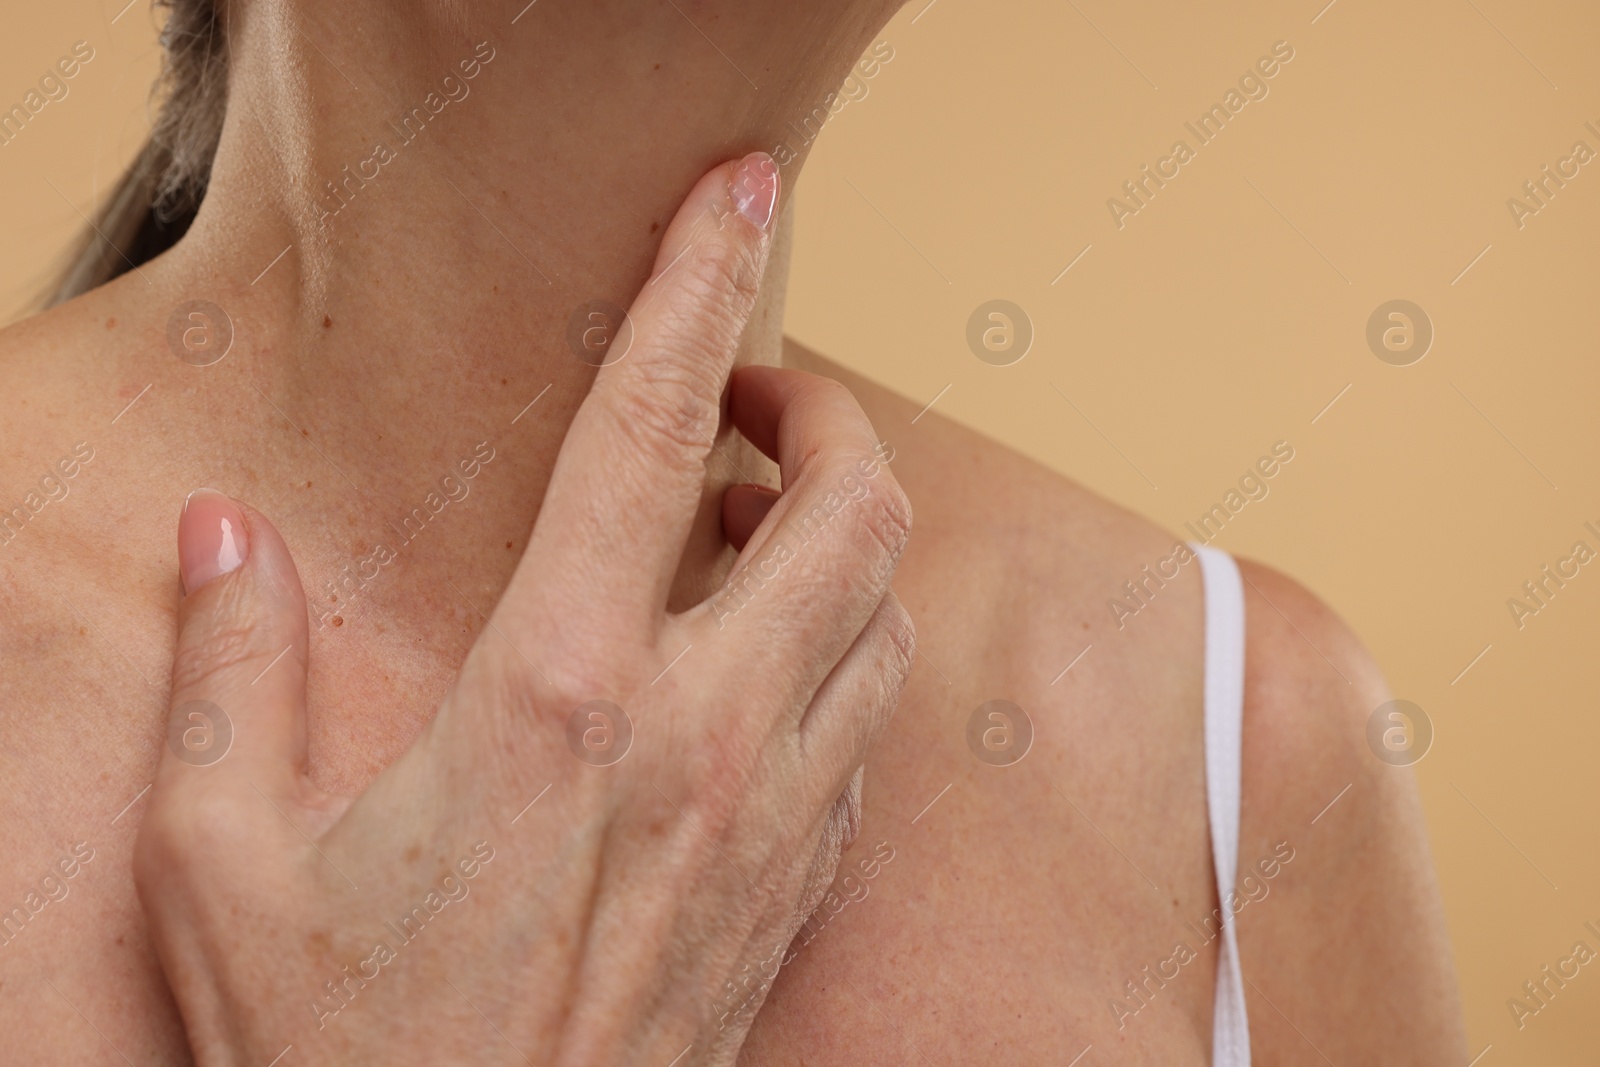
{"x": 156, "y": 200}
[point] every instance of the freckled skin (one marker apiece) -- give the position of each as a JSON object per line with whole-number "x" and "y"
{"x": 1008, "y": 918}
{"x": 1002, "y": 901}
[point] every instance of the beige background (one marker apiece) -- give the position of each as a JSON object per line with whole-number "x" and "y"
{"x": 1224, "y": 316}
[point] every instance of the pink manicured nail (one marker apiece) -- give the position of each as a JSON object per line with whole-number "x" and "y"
{"x": 211, "y": 538}
{"x": 755, "y": 188}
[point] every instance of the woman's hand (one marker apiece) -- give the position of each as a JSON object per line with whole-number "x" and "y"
{"x": 615, "y": 808}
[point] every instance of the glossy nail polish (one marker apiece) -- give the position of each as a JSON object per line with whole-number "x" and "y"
{"x": 755, "y": 188}
{"x": 211, "y": 538}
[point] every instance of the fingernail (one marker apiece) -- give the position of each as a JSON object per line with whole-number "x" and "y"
{"x": 755, "y": 188}
{"x": 211, "y": 538}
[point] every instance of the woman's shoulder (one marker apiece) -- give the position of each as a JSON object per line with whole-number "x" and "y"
{"x": 1082, "y": 609}
{"x": 1053, "y": 540}
{"x": 1328, "y": 779}
{"x": 71, "y": 452}
{"x": 66, "y": 369}
{"x": 68, "y": 395}
{"x": 1028, "y": 558}
{"x": 974, "y": 487}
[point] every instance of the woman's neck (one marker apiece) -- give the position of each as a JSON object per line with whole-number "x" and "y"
{"x": 449, "y": 194}
{"x": 412, "y": 205}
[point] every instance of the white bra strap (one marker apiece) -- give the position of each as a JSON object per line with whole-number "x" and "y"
{"x": 1224, "y": 724}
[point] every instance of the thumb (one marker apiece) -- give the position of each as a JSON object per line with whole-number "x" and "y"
{"x": 239, "y": 668}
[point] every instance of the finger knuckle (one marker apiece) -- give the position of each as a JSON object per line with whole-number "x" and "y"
{"x": 543, "y": 697}
{"x": 887, "y": 519}
{"x": 225, "y": 646}
{"x": 830, "y": 392}
{"x": 185, "y": 826}
{"x": 498, "y": 676}
{"x": 730, "y": 783}
{"x": 707, "y": 304}
{"x": 723, "y": 277}
{"x": 571, "y": 684}
{"x": 669, "y": 411}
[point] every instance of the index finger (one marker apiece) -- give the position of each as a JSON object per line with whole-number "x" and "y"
{"x": 629, "y": 478}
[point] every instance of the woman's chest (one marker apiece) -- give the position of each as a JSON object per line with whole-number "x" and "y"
{"x": 1032, "y": 878}
{"x": 84, "y": 667}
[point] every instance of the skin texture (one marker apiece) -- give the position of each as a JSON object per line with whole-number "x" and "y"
{"x": 384, "y": 347}
{"x": 706, "y": 821}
